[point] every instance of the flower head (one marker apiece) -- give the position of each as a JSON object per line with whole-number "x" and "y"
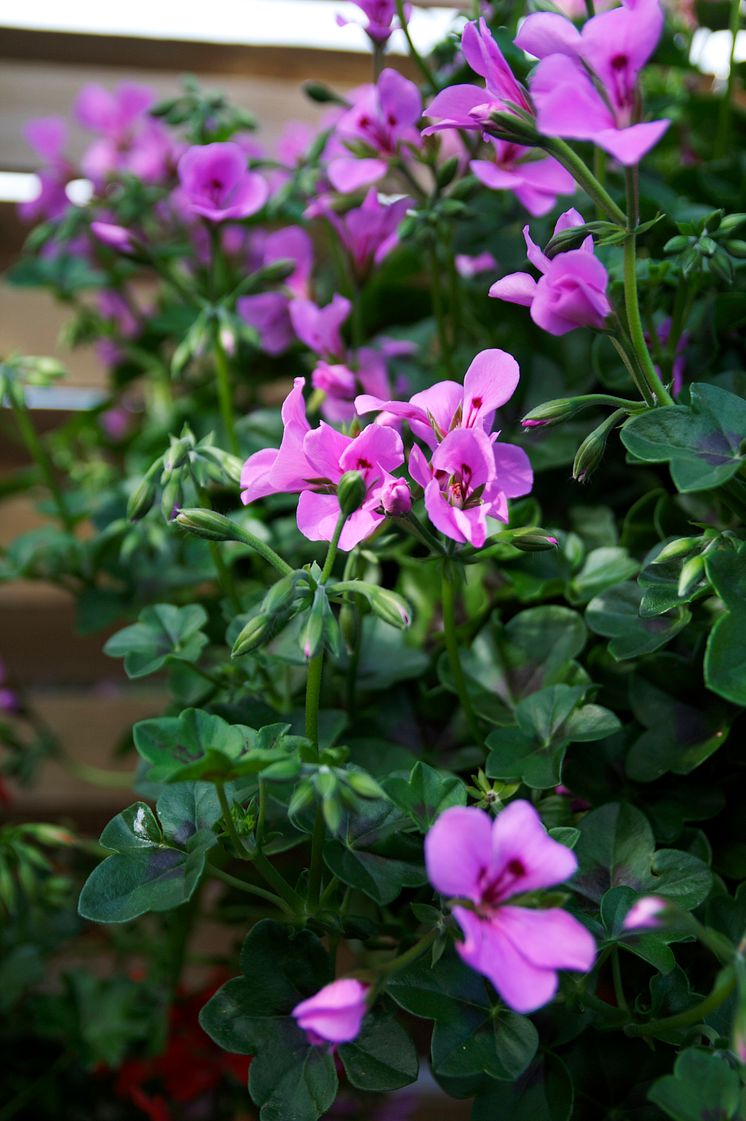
{"x": 379, "y": 17}
{"x": 571, "y": 291}
{"x": 128, "y": 138}
{"x": 488, "y": 863}
{"x": 368, "y": 232}
{"x": 216, "y": 184}
{"x": 536, "y": 183}
{"x": 335, "y": 1013}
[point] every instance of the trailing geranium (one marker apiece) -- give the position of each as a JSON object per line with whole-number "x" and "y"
{"x": 448, "y": 736}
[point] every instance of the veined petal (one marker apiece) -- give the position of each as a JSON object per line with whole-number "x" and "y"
{"x": 457, "y": 852}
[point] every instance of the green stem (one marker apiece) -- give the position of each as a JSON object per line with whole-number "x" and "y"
{"x": 439, "y": 309}
{"x": 225, "y": 578}
{"x": 631, "y": 300}
{"x": 724, "y": 986}
{"x": 38, "y": 453}
{"x": 414, "y": 53}
{"x": 265, "y": 551}
{"x": 585, "y": 179}
{"x": 454, "y": 658}
{"x": 265, "y": 868}
{"x": 229, "y": 823}
{"x": 632, "y": 370}
{"x": 250, "y": 889}
{"x": 95, "y": 776}
{"x": 590, "y": 11}
{"x": 412, "y": 524}
{"x": 410, "y": 955}
{"x": 225, "y": 395}
{"x": 616, "y": 973}
{"x": 726, "y": 105}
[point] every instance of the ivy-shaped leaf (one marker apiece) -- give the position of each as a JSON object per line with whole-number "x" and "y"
{"x": 616, "y": 615}
{"x": 700, "y": 441}
{"x": 703, "y": 1087}
{"x": 678, "y": 736}
{"x": 162, "y": 633}
{"x": 543, "y": 1093}
{"x": 725, "y": 657}
{"x": 426, "y": 794}
{"x": 375, "y": 853}
{"x": 157, "y": 858}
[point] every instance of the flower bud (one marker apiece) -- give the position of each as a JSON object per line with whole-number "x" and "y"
{"x": 554, "y": 412}
{"x": 113, "y": 236}
{"x": 207, "y": 524}
{"x": 591, "y": 451}
{"x": 390, "y": 607}
{"x": 691, "y": 573}
{"x": 312, "y": 635}
{"x": 396, "y": 497}
{"x": 349, "y": 625}
{"x": 323, "y": 95}
{"x": 351, "y": 490}
{"x": 364, "y": 784}
{"x": 533, "y": 540}
{"x": 172, "y": 498}
{"x": 281, "y": 595}
{"x": 680, "y": 547}
{"x": 256, "y": 632}
{"x": 141, "y": 500}
{"x": 447, "y": 172}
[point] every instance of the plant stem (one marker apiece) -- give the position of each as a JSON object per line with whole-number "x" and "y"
{"x": 274, "y": 878}
{"x": 414, "y": 53}
{"x": 225, "y": 578}
{"x": 724, "y": 986}
{"x": 726, "y": 105}
{"x": 439, "y": 309}
{"x": 585, "y": 179}
{"x": 265, "y": 551}
{"x": 451, "y": 639}
{"x": 637, "y": 335}
{"x": 95, "y": 776}
{"x": 225, "y": 395}
{"x": 632, "y": 370}
{"x": 251, "y": 889}
{"x": 409, "y": 955}
{"x": 38, "y": 453}
{"x": 616, "y": 973}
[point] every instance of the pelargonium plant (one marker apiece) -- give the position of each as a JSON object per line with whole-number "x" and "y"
{"x": 439, "y": 560}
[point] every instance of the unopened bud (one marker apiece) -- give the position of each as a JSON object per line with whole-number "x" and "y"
{"x": 681, "y": 547}
{"x": 349, "y": 625}
{"x": 396, "y": 497}
{"x": 351, "y": 491}
{"x": 114, "y": 237}
{"x": 691, "y": 573}
{"x": 283, "y": 592}
{"x": 390, "y": 607}
{"x": 172, "y": 498}
{"x": 207, "y": 524}
{"x": 447, "y": 172}
{"x": 647, "y": 913}
{"x": 591, "y": 451}
{"x": 554, "y": 412}
{"x": 141, "y": 500}
{"x": 277, "y": 270}
{"x": 533, "y": 541}
{"x": 312, "y": 635}
{"x": 323, "y": 95}
{"x": 363, "y": 784}
{"x": 256, "y": 632}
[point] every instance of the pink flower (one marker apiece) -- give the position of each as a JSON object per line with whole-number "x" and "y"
{"x": 520, "y": 950}
{"x": 396, "y": 497}
{"x": 470, "y": 106}
{"x": 368, "y": 232}
{"x": 469, "y": 266}
{"x": 379, "y": 15}
{"x": 130, "y": 139}
{"x": 335, "y": 1013}
{"x": 571, "y": 291}
{"x": 8, "y": 699}
{"x": 217, "y": 185}
{"x": 319, "y": 327}
{"x": 535, "y": 182}
{"x": 382, "y": 118}
{"x": 312, "y": 461}
{"x": 646, "y": 913}
{"x": 612, "y": 48}
{"x": 47, "y": 137}
{"x": 366, "y": 371}
{"x": 268, "y": 313}
{"x": 116, "y": 237}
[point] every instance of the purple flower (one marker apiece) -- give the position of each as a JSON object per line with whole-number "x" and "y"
{"x": 487, "y": 862}
{"x": 116, "y": 237}
{"x": 268, "y": 313}
{"x": 571, "y": 291}
{"x": 368, "y": 232}
{"x": 312, "y": 462}
{"x": 8, "y": 699}
{"x": 470, "y": 266}
{"x": 646, "y": 913}
{"x": 379, "y": 16}
{"x": 535, "y": 182}
{"x": 130, "y": 140}
{"x": 586, "y": 86}
{"x": 335, "y": 1013}
{"x": 341, "y": 383}
{"x": 382, "y": 118}
{"x": 470, "y": 106}
{"x": 47, "y": 137}
{"x": 319, "y": 327}
{"x": 217, "y": 185}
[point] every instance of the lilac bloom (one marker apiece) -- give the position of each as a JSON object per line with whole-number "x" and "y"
{"x": 294, "y": 244}
{"x": 646, "y": 913}
{"x": 269, "y": 314}
{"x": 469, "y": 266}
{"x": 520, "y": 950}
{"x": 383, "y": 118}
{"x": 536, "y": 183}
{"x": 130, "y": 140}
{"x": 461, "y": 485}
{"x": 216, "y": 184}
{"x": 47, "y": 137}
{"x": 335, "y": 1013}
{"x": 586, "y": 86}
{"x": 319, "y": 327}
{"x": 571, "y": 291}
{"x": 470, "y": 106}
{"x": 379, "y": 17}
{"x": 368, "y": 232}
{"x": 312, "y": 461}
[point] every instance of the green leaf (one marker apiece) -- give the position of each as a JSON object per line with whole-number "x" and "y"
{"x": 374, "y": 855}
{"x": 701, "y": 441}
{"x": 200, "y": 746}
{"x": 251, "y": 1015}
{"x": 679, "y": 737}
{"x": 474, "y": 1034}
{"x": 156, "y": 864}
{"x": 516, "y": 757}
{"x": 616, "y": 615}
{"x": 616, "y": 848}
{"x": 650, "y": 945}
{"x": 426, "y": 794}
{"x": 162, "y": 633}
{"x": 703, "y": 1087}
{"x": 543, "y": 1093}
{"x": 725, "y": 656}
{"x": 382, "y": 1058}
{"x": 602, "y": 569}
